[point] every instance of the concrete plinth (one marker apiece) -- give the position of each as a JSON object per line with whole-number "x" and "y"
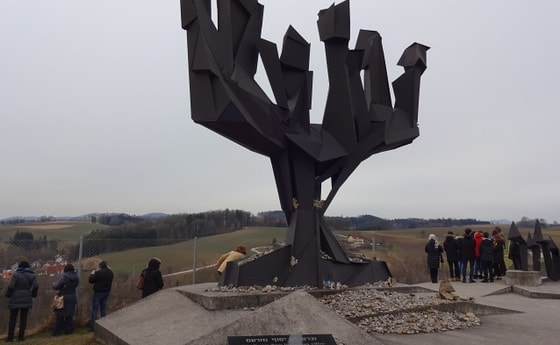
{"x": 171, "y": 317}
{"x": 523, "y": 278}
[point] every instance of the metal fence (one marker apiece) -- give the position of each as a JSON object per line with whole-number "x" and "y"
{"x": 126, "y": 257}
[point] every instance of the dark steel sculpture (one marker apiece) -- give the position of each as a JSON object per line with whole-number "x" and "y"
{"x": 555, "y": 267}
{"x": 535, "y": 252}
{"x": 549, "y": 253}
{"x": 538, "y": 238}
{"x": 359, "y": 120}
{"x": 517, "y": 240}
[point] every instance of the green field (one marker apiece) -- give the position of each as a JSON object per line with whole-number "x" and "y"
{"x": 403, "y": 249}
{"x": 179, "y": 256}
{"x": 59, "y": 230}
{"x": 175, "y": 257}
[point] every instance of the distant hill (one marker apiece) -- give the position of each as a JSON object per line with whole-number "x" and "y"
{"x": 20, "y": 219}
{"x": 500, "y": 221}
{"x": 154, "y": 215}
{"x": 274, "y": 218}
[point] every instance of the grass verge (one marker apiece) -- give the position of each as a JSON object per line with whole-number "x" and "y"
{"x": 80, "y": 337}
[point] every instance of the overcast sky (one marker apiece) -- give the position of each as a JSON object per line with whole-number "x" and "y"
{"x": 95, "y": 113}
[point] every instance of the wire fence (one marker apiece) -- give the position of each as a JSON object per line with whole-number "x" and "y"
{"x": 181, "y": 265}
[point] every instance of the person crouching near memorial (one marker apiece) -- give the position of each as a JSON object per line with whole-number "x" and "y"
{"x": 66, "y": 286}
{"x": 434, "y": 251}
{"x": 21, "y": 289}
{"x": 452, "y": 253}
{"x": 239, "y": 253}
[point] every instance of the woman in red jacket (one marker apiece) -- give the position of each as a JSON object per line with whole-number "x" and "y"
{"x": 477, "y": 264}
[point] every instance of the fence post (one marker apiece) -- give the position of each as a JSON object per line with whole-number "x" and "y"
{"x": 194, "y": 261}
{"x": 81, "y": 264}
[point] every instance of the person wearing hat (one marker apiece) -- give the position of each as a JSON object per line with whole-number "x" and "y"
{"x": 21, "y": 290}
{"x": 102, "y": 279}
{"x": 238, "y": 253}
{"x": 433, "y": 250}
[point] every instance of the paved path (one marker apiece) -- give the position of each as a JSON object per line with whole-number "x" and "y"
{"x": 170, "y": 317}
{"x": 187, "y": 271}
{"x": 536, "y": 323}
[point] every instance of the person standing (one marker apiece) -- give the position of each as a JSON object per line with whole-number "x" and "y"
{"x": 434, "y": 251}
{"x": 102, "y": 279}
{"x": 153, "y": 281}
{"x": 21, "y": 289}
{"x": 477, "y": 263}
{"x": 499, "y": 245}
{"x": 238, "y": 253}
{"x": 459, "y": 241}
{"x": 468, "y": 256}
{"x": 452, "y": 254}
{"x": 486, "y": 249}
{"x": 66, "y": 287}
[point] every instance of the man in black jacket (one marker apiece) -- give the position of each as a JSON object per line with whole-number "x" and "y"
{"x": 101, "y": 279}
{"x": 467, "y": 254}
{"x": 486, "y": 248}
{"x": 452, "y": 251}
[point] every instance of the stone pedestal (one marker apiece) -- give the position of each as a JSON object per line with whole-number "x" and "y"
{"x": 523, "y": 278}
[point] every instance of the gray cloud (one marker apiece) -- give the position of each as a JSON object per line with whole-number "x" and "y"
{"x": 95, "y": 112}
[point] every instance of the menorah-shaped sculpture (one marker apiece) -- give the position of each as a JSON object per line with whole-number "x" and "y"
{"x": 359, "y": 121}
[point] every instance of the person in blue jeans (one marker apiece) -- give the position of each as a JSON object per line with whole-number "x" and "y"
{"x": 102, "y": 279}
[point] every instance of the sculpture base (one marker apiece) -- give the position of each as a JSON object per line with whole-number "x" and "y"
{"x": 278, "y": 268}
{"x": 523, "y": 278}
{"x": 173, "y": 316}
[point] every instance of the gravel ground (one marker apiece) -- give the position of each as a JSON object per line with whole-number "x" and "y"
{"x": 381, "y": 311}
{"x": 385, "y": 312}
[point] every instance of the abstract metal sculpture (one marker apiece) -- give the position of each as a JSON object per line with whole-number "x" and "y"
{"x": 535, "y": 252}
{"x": 519, "y": 255}
{"x": 555, "y": 254}
{"x": 359, "y": 120}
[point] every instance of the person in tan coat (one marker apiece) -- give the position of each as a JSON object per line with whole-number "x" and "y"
{"x": 238, "y": 253}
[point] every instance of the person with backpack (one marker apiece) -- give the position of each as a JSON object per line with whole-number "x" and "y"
{"x": 66, "y": 287}
{"x": 153, "y": 281}
{"x": 21, "y": 289}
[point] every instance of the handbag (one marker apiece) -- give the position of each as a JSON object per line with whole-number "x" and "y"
{"x": 58, "y": 302}
{"x": 140, "y": 282}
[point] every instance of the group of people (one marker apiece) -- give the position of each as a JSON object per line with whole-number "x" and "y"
{"x": 481, "y": 252}
{"x": 23, "y": 287}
